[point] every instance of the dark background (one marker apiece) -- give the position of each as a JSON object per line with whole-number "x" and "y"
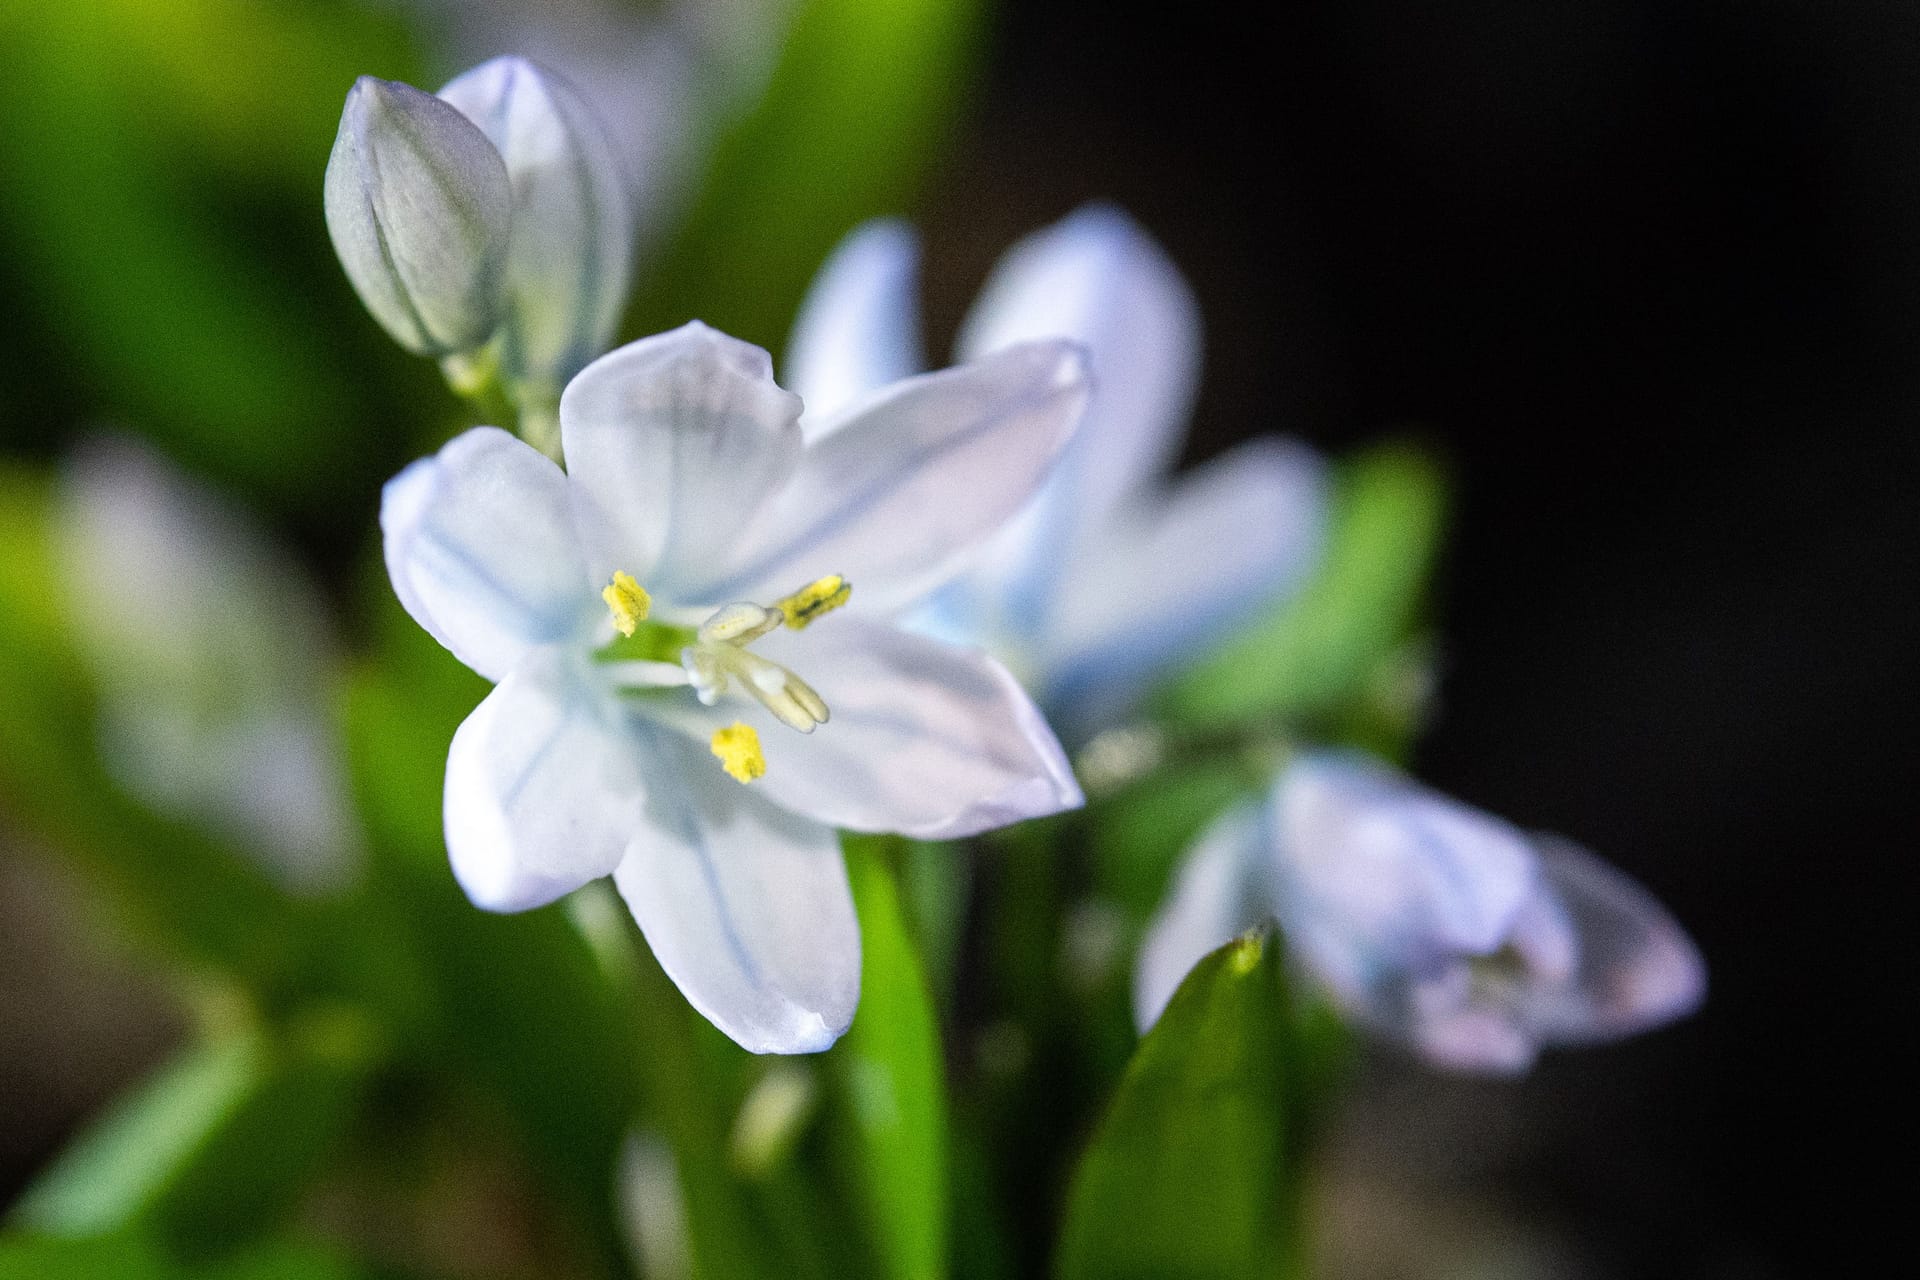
{"x": 1648, "y": 275}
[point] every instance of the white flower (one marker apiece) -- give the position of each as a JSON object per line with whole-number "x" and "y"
{"x": 1434, "y": 924}
{"x": 419, "y": 207}
{"x": 495, "y": 211}
{"x": 208, "y": 711}
{"x": 694, "y": 516}
{"x": 1113, "y": 576}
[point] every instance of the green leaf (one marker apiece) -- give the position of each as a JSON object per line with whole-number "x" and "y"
{"x": 1325, "y": 647}
{"x": 887, "y": 1069}
{"x": 1189, "y": 1176}
{"x": 132, "y": 1258}
{"x": 849, "y": 121}
{"x": 1140, "y": 832}
{"x": 218, "y": 1144}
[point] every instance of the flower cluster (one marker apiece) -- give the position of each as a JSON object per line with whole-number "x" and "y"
{"x": 726, "y": 620}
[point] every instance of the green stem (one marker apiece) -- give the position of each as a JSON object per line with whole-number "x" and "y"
{"x": 476, "y": 377}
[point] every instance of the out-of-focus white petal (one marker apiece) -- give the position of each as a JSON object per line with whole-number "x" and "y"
{"x": 859, "y": 327}
{"x": 1174, "y": 574}
{"x": 210, "y": 649}
{"x": 915, "y": 478}
{"x": 1215, "y": 896}
{"x": 674, "y": 444}
{"x": 1633, "y": 966}
{"x": 1453, "y": 1025}
{"x": 546, "y": 786}
{"x": 1097, "y": 278}
{"x": 1378, "y": 875}
{"x": 925, "y": 739}
{"x": 419, "y": 208}
{"x": 570, "y": 255}
{"x": 746, "y": 906}
{"x": 481, "y": 549}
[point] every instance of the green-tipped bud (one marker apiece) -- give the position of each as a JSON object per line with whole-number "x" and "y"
{"x": 420, "y": 209}
{"x": 571, "y": 253}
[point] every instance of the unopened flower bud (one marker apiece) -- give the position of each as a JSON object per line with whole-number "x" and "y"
{"x": 420, "y": 209}
{"x": 571, "y": 252}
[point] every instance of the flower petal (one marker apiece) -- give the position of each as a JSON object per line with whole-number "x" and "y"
{"x": 569, "y": 258}
{"x": 419, "y": 208}
{"x": 1097, "y": 278}
{"x": 482, "y": 551}
{"x": 747, "y": 908}
{"x": 1378, "y": 876}
{"x": 1636, "y": 968}
{"x": 1451, "y": 1025}
{"x": 673, "y": 444}
{"x": 859, "y": 326}
{"x": 545, "y": 786}
{"x": 924, "y": 739}
{"x": 1174, "y": 575}
{"x": 917, "y": 475}
{"x": 1213, "y": 899}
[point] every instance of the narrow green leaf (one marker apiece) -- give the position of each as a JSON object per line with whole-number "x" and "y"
{"x": 29, "y": 1258}
{"x": 1188, "y": 1175}
{"x": 132, "y": 1258}
{"x": 1323, "y": 648}
{"x": 216, "y": 1146}
{"x": 847, "y": 124}
{"x": 887, "y": 1069}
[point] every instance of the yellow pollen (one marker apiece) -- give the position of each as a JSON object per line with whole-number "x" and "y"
{"x": 814, "y": 599}
{"x": 738, "y": 748}
{"x": 627, "y": 600}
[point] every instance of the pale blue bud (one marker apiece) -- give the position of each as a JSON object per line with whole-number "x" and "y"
{"x": 570, "y": 257}
{"x": 419, "y": 208}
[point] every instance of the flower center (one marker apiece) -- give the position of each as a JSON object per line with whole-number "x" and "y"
{"x": 719, "y": 658}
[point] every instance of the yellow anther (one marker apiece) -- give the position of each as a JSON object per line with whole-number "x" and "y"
{"x": 627, "y": 600}
{"x": 738, "y": 748}
{"x": 814, "y": 599}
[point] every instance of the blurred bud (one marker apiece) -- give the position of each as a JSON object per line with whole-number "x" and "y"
{"x": 1430, "y": 922}
{"x": 210, "y": 651}
{"x": 772, "y": 1118}
{"x": 654, "y": 1208}
{"x": 419, "y": 208}
{"x": 570, "y": 256}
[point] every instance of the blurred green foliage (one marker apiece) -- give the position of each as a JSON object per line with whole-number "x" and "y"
{"x": 130, "y": 1258}
{"x": 862, "y": 96}
{"x": 1317, "y": 654}
{"x": 216, "y": 1144}
{"x": 159, "y": 199}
